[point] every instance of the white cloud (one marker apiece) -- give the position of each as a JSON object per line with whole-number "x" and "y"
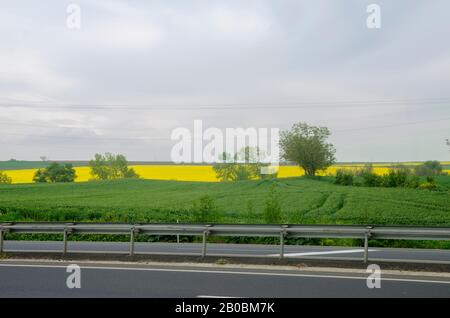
{"x": 239, "y": 22}
{"x": 22, "y": 67}
{"x": 128, "y": 36}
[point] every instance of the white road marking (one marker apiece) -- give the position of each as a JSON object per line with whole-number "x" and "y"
{"x": 322, "y": 253}
{"x": 208, "y": 296}
{"x": 226, "y": 272}
{"x": 212, "y": 249}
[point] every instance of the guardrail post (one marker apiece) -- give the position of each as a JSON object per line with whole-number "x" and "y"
{"x": 132, "y": 241}
{"x": 1, "y": 241}
{"x": 366, "y": 245}
{"x": 65, "y": 241}
{"x": 366, "y": 248}
{"x": 281, "y": 245}
{"x": 178, "y": 236}
{"x": 282, "y": 235}
{"x": 205, "y": 236}
{"x": 66, "y": 233}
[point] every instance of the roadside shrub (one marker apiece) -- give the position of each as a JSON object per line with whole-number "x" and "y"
{"x": 205, "y": 210}
{"x": 344, "y": 177}
{"x": 249, "y": 211}
{"x": 272, "y": 209}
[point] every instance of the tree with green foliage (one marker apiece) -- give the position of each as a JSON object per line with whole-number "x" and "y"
{"x": 55, "y": 172}
{"x": 244, "y": 165}
{"x": 4, "y": 178}
{"x": 307, "y": 146}
{"x": 225, "y": 169}
{"x": 429, "y": 168}
{"x": 110, "y": 167}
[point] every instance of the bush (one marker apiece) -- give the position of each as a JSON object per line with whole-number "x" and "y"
{"x": 344, "y": 177}
{"x": 430, "y": 179}
{"x": 205, "y": 210}
{"x": 397, "y": 177}
{"x": 401, "y": 177}
{"x": 367, "y": 169}
{"x": 372, "y": 180}
{"x": 428, "y": 186}
{"x": 4, "y": 178}
{"x": 272, "y": 209}
{"x": 413, "y": 182}
{"x": 368, "y": 176}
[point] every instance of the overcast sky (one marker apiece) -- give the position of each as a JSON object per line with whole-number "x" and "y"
{"x": 136, "y": 70}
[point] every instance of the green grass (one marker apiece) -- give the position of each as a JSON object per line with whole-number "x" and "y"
{"x": 302, "y": 200}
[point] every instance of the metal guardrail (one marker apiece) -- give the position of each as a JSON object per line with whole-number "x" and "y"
{"x": 205, "y": 230}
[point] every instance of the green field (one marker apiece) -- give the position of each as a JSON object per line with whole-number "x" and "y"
{"x": 302, "y": 200}
{"x": 18, "y": 165}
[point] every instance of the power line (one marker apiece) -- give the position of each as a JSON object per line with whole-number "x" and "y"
{"x": 233, "y": 106}
{"x": 394, "y": 125}
{"x": 96, "y": 137}
{"x": 87, "y": 137}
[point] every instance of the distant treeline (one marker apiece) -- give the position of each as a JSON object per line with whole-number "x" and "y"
{"x": 22, "y": 164}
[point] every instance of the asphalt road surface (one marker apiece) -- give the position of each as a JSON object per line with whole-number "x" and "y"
{"x": 421, "y": 255}
{"x": 48, "y": 279}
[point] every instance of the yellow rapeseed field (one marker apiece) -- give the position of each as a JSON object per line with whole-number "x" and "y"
{"x": 176, "y": 172}
{"x": 187, "y": 172}
{"x": 26, "y": 175}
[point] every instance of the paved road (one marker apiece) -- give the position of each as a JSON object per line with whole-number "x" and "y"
{"x": 236, "y": 249}
{"x": 48, "y": 279}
